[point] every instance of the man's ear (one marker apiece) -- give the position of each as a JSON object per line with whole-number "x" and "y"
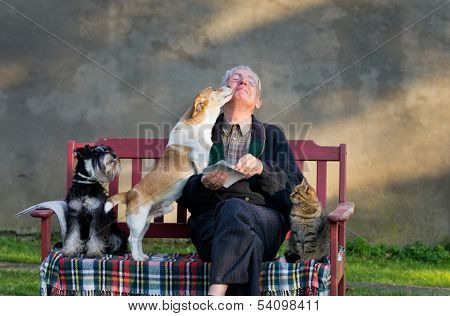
{"x": 258, "y": 102}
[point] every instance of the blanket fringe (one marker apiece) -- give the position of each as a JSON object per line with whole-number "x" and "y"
{"x": 305, "y": 291}
{"x": 64, "y": 292}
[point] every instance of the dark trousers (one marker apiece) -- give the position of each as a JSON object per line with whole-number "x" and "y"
{"x": 236, "y": 237}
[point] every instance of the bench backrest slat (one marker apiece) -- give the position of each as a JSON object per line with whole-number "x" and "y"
{"x": 342, "y": 173}
{"x": 322, "y": 182}
{"x": 136, "y": 171}
{"x": 138, "y": 149}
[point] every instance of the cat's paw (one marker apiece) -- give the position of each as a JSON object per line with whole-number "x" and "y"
{"x": 291, "y": 257}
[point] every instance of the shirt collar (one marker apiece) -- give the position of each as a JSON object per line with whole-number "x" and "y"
{"x": 244, "y": 126}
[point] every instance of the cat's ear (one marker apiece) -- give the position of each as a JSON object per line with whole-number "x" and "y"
{"x": 304, "y": 182}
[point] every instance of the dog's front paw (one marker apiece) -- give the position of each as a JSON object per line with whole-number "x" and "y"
{"x": 140, "y": 257}
{"x": 72, "y": 249}
{"x": 108, "y": 207}
{"x": 94, "y": 254}
{"x": 69, "y": 253}
{"x": 95, "y": 247}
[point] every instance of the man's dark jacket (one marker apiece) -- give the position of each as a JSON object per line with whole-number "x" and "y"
{"x": 271, "y": 188}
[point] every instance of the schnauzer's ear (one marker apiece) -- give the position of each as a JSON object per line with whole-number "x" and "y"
{"x": 82, "y": 153}
{"x": 77, "y": 152}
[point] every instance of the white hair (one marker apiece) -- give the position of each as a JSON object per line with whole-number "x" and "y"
{"x": 228, "y": 74}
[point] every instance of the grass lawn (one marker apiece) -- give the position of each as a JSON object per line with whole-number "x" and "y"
{"x": 23, "y": 250}
{"x": 362, "y": 266}
{"x": 366, "y": 291}
{"x": 401, "y": 272}
{"x": 14, "y": 282}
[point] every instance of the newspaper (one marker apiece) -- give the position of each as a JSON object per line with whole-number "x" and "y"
{"x": 233, "y": 176}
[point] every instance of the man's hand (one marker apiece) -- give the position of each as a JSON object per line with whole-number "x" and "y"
{"x": 249, "y": 165}
{"x": 214, "y": 180}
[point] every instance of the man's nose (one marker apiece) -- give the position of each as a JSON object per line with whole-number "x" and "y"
{"x": 244, "y": 80}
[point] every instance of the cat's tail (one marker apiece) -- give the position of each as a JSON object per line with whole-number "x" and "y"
{"x": 119, "y": 198}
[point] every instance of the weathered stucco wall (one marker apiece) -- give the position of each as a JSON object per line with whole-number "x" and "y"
{"x": 391, "y": 108}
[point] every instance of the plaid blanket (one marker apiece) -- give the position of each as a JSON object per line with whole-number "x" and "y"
{"x": 168, "y": 274}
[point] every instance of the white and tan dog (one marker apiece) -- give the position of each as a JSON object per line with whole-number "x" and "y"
{"x": 187, "y": 153}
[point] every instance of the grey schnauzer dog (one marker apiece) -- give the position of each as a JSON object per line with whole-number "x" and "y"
{"x": 89, "y": 230}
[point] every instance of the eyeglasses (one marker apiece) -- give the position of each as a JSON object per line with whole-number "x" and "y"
{"x": 236, "y": 77}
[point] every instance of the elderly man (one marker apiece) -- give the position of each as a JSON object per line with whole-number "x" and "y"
{"x": 239, "y": 227}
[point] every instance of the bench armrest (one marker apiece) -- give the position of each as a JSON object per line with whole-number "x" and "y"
{"x": 338, "y": 219}
{"x": 42, "y": 213}
{"x": 342, "y": 212}
{"x": 46, "y": 229}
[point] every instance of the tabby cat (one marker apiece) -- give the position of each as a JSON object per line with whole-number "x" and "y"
{"x": 310, "y": 229}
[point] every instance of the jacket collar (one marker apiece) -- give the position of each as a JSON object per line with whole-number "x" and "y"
{"x": 244, "y": 126}
{"x": 257, "y": 142}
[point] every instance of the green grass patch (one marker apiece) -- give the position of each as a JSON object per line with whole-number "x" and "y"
{"x": 417, "y": 251}
{"x": 15, "y": 282}
{"x": 168, "y": 245}
{"x": 365, "y": 291}
{"x": 415, "y": 264}
{"x": 401, "y": 272}
{"x": 20, "y": 249}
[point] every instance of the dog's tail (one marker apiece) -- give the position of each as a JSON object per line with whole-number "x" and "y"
{"x": 119, "y": 198}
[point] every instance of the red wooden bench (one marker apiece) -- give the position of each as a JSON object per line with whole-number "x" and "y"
{"x": 304, "y": 150}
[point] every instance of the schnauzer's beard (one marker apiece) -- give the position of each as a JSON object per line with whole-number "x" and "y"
{"x": 111, "y": 166}
{"x": 104, "y": 169}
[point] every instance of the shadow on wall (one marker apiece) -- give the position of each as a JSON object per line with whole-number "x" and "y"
{"x": 317, "y": 38}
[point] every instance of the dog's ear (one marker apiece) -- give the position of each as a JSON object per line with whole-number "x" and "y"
{"x": 199, "y": 105}
{"x": 79, "y": 153}
{"x": 83, "y": 153}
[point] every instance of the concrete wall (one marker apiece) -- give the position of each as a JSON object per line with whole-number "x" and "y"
{"x": 391, "y": 108}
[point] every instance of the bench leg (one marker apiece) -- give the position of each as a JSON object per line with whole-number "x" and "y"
{"x": 333, "y": 258}
{"x": 46, "y": 235}
{"x": 341, "y": 287}
{"x": 342, "y": 242}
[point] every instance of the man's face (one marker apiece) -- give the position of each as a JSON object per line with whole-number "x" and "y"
{"x": 245, "y": 87}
